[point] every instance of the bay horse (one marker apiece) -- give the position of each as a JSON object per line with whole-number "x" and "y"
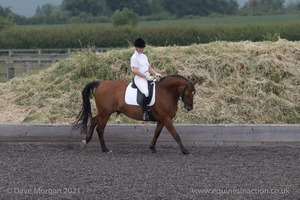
{"x": 109, "y": 98}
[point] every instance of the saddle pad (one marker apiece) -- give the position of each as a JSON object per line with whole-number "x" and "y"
{"x": 131, "y": 96}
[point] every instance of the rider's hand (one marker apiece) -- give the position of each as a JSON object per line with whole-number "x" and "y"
{"x": 158, "y": 75}
{"x": 149, "y": 78}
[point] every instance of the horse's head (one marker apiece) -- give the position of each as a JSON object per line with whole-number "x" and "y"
{"x": 181, "y": 87}
{"x": 187, "y": 95}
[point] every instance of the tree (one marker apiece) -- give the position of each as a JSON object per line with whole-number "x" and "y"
{"x": 7, "y": 17}
{"x": 293, "y": 7}
{"x": 94, "y": 7}
{"x": 124, "y": 17}
{"x": 4, "y": 23}
{"x": 48, "y": 14}
{"x": 156, "y": 6}
{"x": 5, "y": 12}
{"x": 263, "y": 6}
{"x": 38, "y": 12}
{"x": 140, "y": 7}
{"x": 182, "y": 8}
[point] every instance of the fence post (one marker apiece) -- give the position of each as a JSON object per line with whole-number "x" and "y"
{"x": 11, "y": 73}
{"x": 27, "y": 67}
{"x": 39, "y": 53}
{"x": 10, "y": 70}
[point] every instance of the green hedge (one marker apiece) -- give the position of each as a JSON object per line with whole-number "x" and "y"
{"x": 81, "y": 36}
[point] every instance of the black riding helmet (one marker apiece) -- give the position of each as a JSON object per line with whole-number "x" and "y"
{"x": 140, "y": 43}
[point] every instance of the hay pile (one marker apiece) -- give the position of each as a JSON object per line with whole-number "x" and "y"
{"x": 239, "y": 83}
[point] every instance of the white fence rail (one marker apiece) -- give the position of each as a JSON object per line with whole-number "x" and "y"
{"x": 17, "y": 62}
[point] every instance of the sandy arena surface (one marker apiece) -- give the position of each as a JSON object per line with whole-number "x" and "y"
{"x": 63, "y": 171}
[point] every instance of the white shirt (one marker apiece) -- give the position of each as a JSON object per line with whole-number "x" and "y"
{"x": 140, "y": 61}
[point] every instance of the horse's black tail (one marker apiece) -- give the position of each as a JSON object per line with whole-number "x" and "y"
{"x": 86, "y": 111}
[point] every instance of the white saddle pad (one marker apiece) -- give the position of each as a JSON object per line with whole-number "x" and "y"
{"x": 131, "y": 93}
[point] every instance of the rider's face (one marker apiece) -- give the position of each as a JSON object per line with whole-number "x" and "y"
{"x": 139, "y": 50}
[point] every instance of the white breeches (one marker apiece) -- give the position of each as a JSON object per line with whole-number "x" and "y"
{"x": 142, "y": 85}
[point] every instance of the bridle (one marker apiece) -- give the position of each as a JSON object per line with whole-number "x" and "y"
{"x": 182, "y": 94}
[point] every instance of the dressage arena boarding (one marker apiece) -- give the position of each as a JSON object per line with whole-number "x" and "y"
{"x": 226, "y": 162}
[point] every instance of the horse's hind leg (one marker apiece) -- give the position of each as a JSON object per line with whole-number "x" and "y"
{"x": 157, "y": 132}
{"x": 100, "y": 130}
{"x": 89, "y": 135}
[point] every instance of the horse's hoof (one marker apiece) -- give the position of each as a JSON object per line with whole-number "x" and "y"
{"x": 83, "y": 144}
{"x": 185, "y": 152}
{"x": 152, "y": 148}
{"x": 106, "y": 150}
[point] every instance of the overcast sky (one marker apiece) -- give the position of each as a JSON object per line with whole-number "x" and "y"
{"x": 26, "y": 7}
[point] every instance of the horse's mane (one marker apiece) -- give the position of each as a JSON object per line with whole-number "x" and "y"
{"x": 174, "y": 75}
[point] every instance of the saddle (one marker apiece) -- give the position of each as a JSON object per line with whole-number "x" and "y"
{"x": 133, "y": 96}
{"x": 139, "y": 96}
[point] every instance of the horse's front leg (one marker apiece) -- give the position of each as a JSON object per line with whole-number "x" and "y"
{"x": 169, "y": 125}
{"x": 157, "y": 132}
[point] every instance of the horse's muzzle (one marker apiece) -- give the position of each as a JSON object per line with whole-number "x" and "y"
{"x": 188, "y": 107}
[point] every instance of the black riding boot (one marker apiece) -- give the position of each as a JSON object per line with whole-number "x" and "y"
{"x": 145, "y": 108}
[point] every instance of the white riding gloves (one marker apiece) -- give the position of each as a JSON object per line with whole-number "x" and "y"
{"x": 149, "y": 77}
{"x": 158, "y": 75}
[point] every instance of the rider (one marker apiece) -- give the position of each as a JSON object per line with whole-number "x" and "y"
{"x": 143, "y": 73}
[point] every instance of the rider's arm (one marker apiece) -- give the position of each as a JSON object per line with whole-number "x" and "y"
{"x": 151, "y": 71}
{"x": 137, "y": 72}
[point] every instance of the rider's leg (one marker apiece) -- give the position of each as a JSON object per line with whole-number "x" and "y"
{"x": 142, "y": 85}
{"x": 145, "y": 108}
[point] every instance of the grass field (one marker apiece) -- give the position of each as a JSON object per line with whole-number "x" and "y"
{"x": 261, "y": 19}
{"x": 238, "y": 20}
{"x": 180, "y": 32}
